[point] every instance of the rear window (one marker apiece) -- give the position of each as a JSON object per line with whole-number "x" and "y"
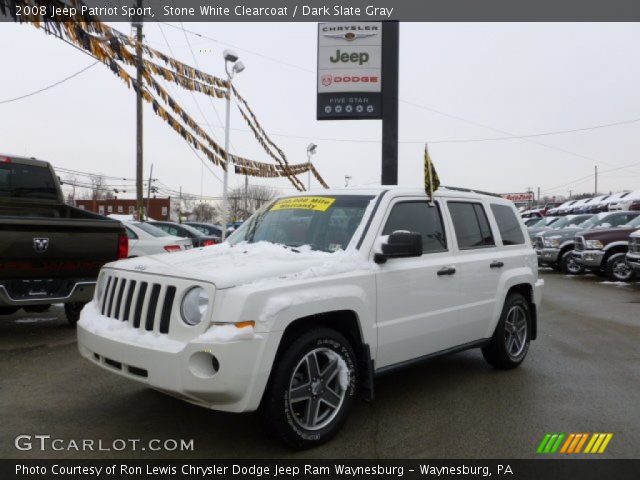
{"x": 471, "y": 225}
{"x": 27, "y": 181}
{"x": 151, "y": 230}
{"x": 508, "y": 225}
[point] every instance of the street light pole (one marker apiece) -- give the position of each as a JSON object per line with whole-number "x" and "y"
{"x": 311, "y": 150}
{"x": 237, "y": 67}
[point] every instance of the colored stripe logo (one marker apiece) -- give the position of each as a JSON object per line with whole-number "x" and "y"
{"x": 573, "y": 443}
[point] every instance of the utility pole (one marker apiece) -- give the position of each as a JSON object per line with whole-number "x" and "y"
{"x": 538, "y": 195}
{"x": 390, "y": 60}
{"x": 570, "y": 192}
{"x": 180, "y": 206}
{"x": 596, "y": 187}
{"x": 149, "y": 191}
{"x": 139, "y": 82}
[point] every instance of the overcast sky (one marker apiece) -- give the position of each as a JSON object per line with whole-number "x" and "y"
{"x": 457, "y": 82}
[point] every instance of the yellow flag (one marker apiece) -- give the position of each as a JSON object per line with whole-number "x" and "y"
{"x": 431, "y": 180}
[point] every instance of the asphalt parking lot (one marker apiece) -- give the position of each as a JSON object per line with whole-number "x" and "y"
{"x": 581, "y": 375}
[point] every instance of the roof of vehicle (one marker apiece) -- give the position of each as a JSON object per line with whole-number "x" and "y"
{"x": 23, "y": 160}
{"x": 402, "y": 191}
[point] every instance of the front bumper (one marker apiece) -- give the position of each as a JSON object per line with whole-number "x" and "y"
{"x": 548, "y": 255}
{"x": 589, "y": 258}
{"x": 633, "y": 259}
{"x": 233, "y": 382}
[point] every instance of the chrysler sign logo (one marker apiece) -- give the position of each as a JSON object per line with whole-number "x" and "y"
{"x": 349, "y": 36}
{"x": 40, "y": 245}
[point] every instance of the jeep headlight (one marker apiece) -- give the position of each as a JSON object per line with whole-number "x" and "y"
{"x": 594, "y": 245}
{"x": 552, "y": 242}
{"x": 194, "y": 306}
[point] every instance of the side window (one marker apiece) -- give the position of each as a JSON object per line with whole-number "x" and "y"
{"x": 508, "y": 224}
{"x": 471, "y": 225}
{"x": 422, "y": 218}
{"x": 131, "y": 234}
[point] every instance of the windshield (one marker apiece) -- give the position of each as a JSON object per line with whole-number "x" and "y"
{"x": 150, "y": 229}
{"x": 325, "y": 223}
{"x": 570, "y": 221}
{"x": 535, "y": 222}
{"x": 635, "y": 223}
{"x": 27, "y": 181}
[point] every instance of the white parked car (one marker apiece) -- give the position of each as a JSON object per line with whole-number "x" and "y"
{"x": 630, "y": 201}
{"x": 145, "y": 239}
{"x": 313, "y": 296}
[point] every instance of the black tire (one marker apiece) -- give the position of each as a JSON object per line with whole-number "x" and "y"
{"x": 286, "y": 419}
{"x": 569, "y": 266}
{"x": 72, "y": 311}
{"x": 499, "y": 353}
{"x": 37, "y": 308}
{"x": 8, "y": 310}
{"x": 618, "y": 269}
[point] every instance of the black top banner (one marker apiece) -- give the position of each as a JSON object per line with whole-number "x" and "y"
{"x": 340, "y": 10}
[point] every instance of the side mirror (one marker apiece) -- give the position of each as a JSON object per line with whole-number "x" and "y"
{"x": 400, "y": 244}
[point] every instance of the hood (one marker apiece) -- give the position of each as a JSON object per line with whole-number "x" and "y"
{"x": 228, "y": 266}
{"x": 563, "y": 232}
{"x": 608, "y": 234}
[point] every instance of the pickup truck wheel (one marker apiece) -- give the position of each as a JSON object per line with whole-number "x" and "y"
{"x": 72, "y": 311}
{"x": 311, "y": 389}
{"x": 618, "y": 269}
{"x": 569, "y": 266}
{"x": 510, "y": 342}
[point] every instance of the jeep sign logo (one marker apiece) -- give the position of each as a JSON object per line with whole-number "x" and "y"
{"x": 345, "y": 57}
{"x": 349, "y": 70}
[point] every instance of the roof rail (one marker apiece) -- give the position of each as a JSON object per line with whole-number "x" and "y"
{"x": 470, "y": 190}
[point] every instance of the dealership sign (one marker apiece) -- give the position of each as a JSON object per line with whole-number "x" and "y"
{"x": 349, "y": 70}
{"x": 518, "y": 197}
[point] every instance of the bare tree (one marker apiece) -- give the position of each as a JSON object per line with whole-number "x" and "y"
{"x": 98, "y": 189}
{"x": 243, "y": 204}
{"x": 204, "y": 212}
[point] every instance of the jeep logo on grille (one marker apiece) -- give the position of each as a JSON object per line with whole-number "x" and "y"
{"x": 40, "y": 245}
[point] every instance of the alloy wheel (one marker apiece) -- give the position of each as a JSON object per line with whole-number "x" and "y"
{"x": 515, "y": 331}
{"x": 315, "y": 390}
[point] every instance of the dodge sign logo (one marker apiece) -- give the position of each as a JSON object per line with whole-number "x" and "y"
{"x": 40, "y": 245}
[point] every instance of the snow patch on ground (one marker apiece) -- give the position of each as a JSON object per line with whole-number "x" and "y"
{"x": 226, "y": 333}
{"x": 36, "y": 320}
{"x": 618, "y": 284}
{"x": 344, "y": 375}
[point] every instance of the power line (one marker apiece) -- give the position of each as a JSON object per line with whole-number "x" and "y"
{"x": 48, "y": 87}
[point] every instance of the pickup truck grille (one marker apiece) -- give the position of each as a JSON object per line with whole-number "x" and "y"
{"x": 579, "y": 244}
{"x": 634, "y": 245}
{"x": 539, "y": 243}
{"x": 145, "y": 305}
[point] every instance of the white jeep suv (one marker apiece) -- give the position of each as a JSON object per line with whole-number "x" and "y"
{"x": 313, "y": 296}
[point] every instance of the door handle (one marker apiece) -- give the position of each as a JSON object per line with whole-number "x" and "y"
{"x": 446, "y": 271}
{"x": 496, "y": 264}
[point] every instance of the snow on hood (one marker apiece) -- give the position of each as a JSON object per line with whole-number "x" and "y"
{"x": 228, "y": 265}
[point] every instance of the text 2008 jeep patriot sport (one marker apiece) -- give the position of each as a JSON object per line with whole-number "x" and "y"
{"x": 313, "y": 296}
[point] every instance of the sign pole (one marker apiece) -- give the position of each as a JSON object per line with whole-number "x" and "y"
{"x": 390, "y": 55}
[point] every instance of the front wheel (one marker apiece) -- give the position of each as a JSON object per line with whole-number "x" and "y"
{"x": 618, "y": 269}
{"x": 311, "y": 389}
{"x": 569, "y": 265}
{"x": 510, "y": 342}
{"x": 72, "y": 311}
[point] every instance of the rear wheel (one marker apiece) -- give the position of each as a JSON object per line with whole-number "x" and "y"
{"x": 618, "y": 269}
{"x": 510, "y": 342}
{"x": 569, "y": 265}
{"x": 311, "y": 389}
{"x": 72, "y": 311}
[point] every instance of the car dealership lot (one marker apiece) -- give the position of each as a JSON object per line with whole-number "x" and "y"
{"x": 580, "y": 376}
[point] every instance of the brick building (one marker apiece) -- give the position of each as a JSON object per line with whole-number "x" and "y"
{"x": 158, "y": 208}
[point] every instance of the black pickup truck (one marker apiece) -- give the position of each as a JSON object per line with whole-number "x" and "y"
{"x": 50, "y": 252}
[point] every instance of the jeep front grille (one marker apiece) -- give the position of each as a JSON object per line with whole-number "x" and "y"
{"x": 144, "y": 305}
